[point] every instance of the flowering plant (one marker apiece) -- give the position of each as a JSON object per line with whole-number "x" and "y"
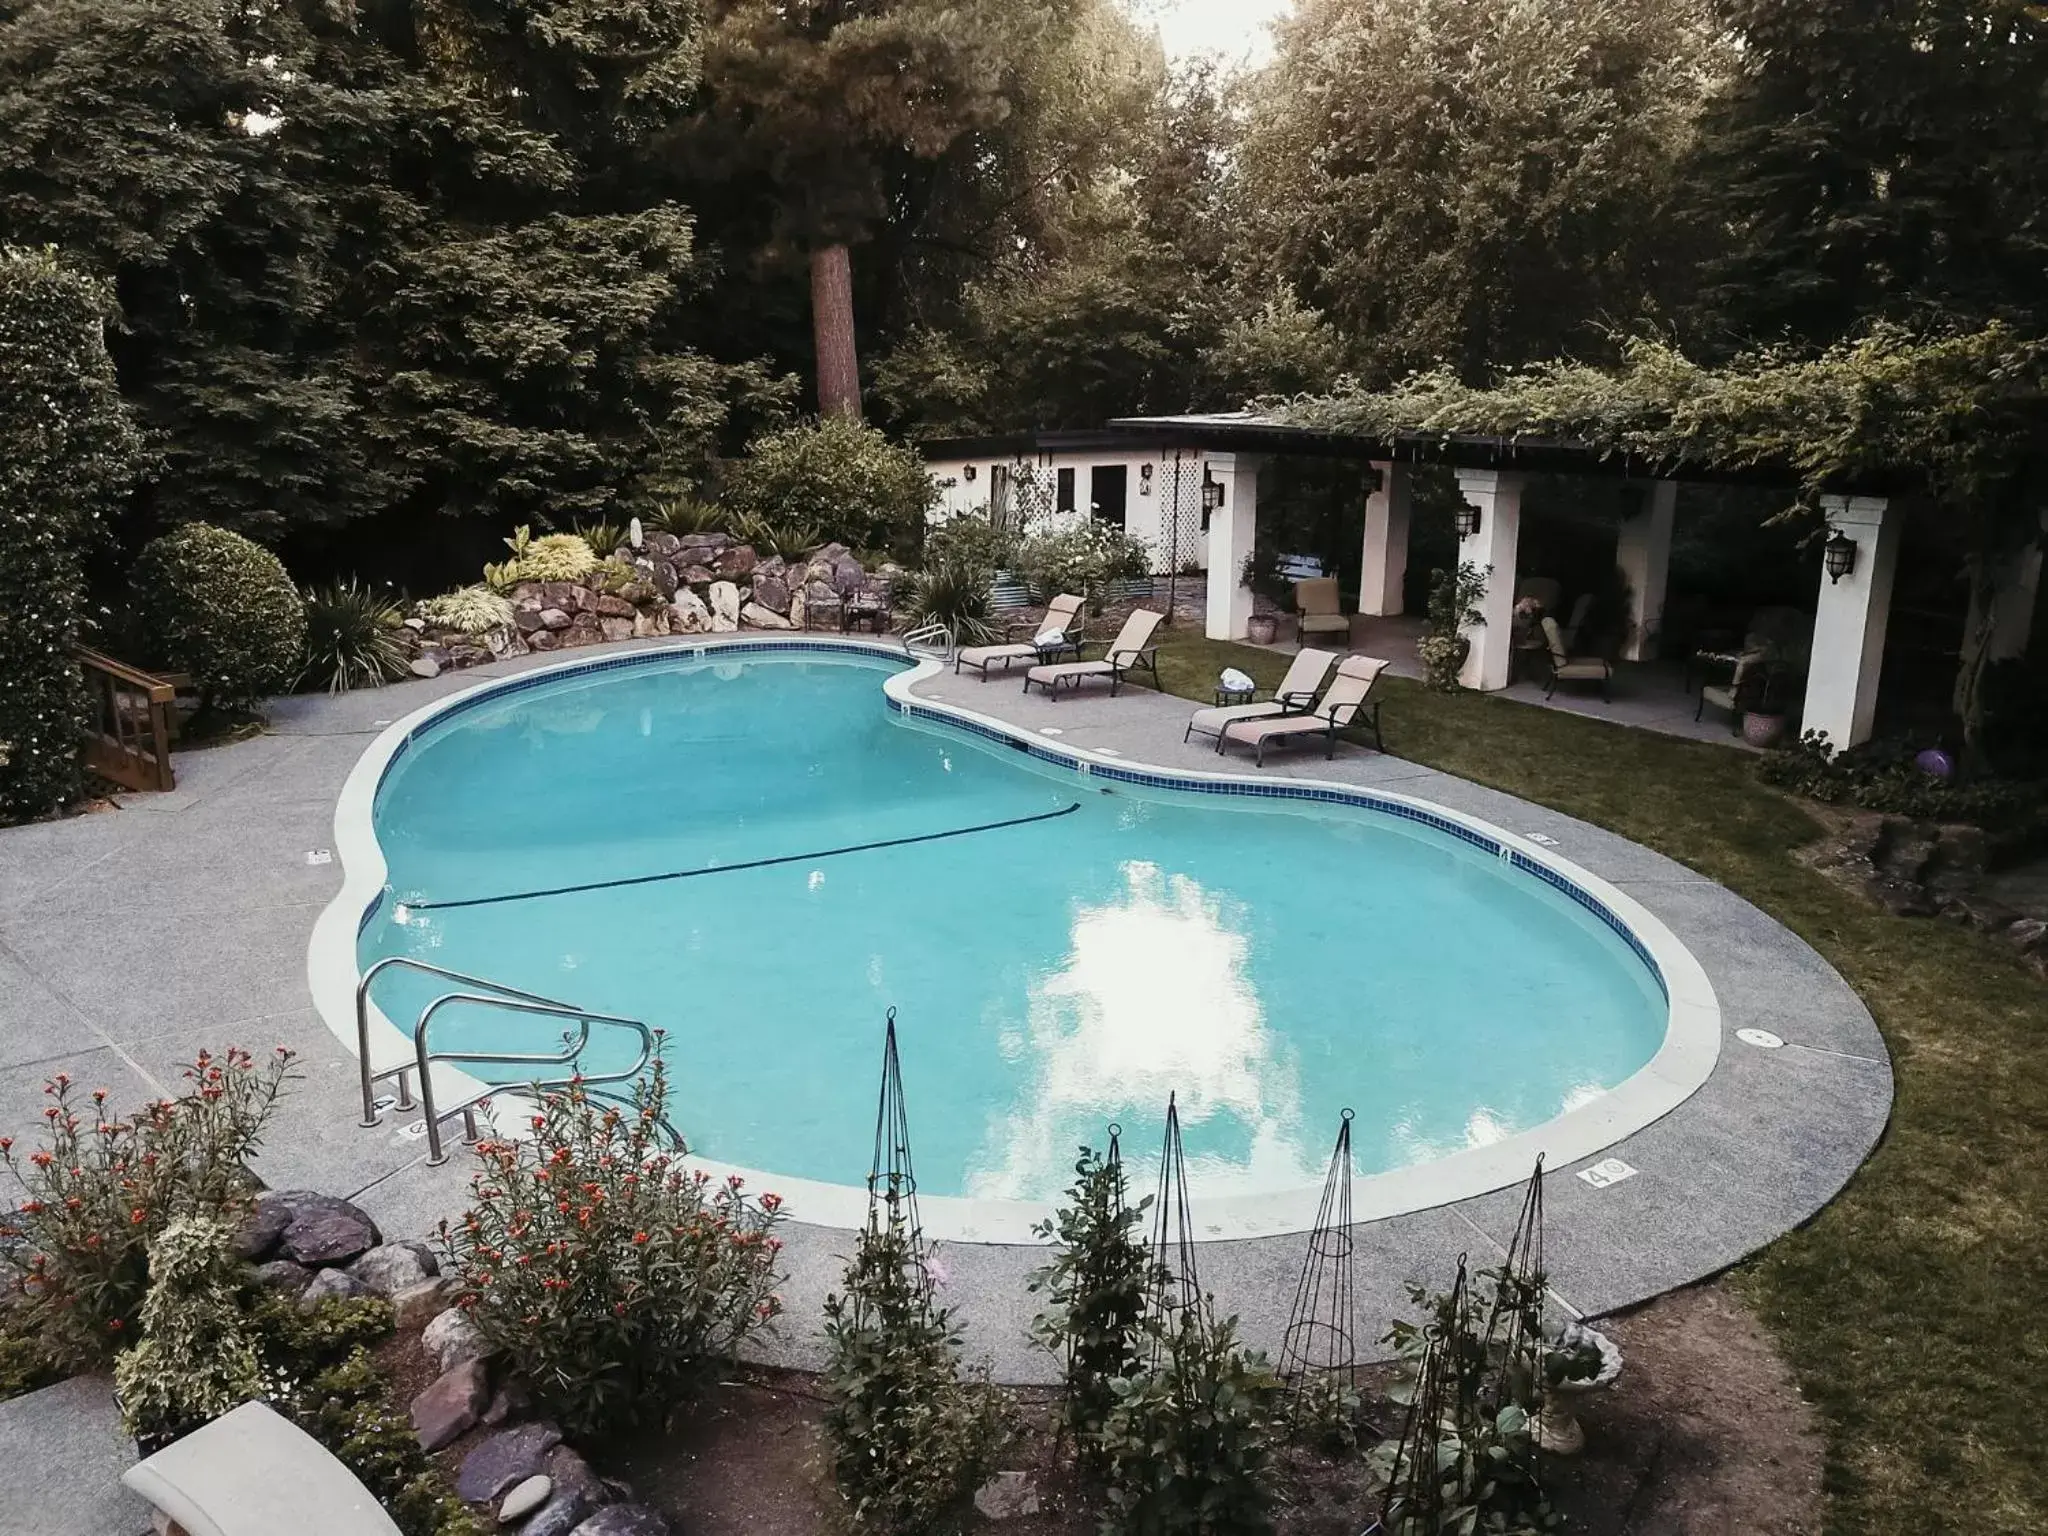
{"x": 103, "y": 1188}
{"x": 599, "y": 1267}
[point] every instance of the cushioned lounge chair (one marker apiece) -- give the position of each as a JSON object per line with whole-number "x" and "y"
{"x": 1741, "y": 691}
{"x": 1296, "y": 695}
{"x": 1059, "y": 631}
{"x": 1344, "y": 704}
{"x": 252, "y": 1472}
{"x": 1567, "y": 668}
{"x": 1321, "y": 609}
{"x": 1132, "y": 650}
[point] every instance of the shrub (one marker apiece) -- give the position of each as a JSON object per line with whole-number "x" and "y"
{"x": 1186, "y": 1444}
{"x": 1454, "y": 598}
{"x": 1882, "y": 776}
{"x": 215, "y": 605}
{"x": 972, "y": 540}
{"x": 197, "y": 1356}
{"x": 955, "y": 594}
{"x": 352, "y": 638}
{"x": 99, "y": 1192}
{"x": 1098, "y": 1281}
{"x": 551, "y": 557}
{"x": 911, "y": 1438}
{"x": 840, "y": 477}
{"x": 473, "y": 610}
{"x": 684, "y": 515}
{"x": 604, "y": 539}
{"x": 1083, "y": 560}
{"x": 68, "y": 454}
{"x": 606, "y": 1274}
{"x": 790, "y": 538}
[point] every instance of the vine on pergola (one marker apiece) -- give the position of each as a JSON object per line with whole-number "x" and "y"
{"x": 1961, "y": 420}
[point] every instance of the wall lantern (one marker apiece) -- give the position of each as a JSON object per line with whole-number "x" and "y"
{"x": 1839, "y": 554}
{"x": 1212, "y": 493}
{"x": 1468, "y": 520}
{"x": 969, "y": 473}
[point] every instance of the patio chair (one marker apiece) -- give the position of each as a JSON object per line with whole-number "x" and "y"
{"x": 1321, "y": 609}
{"x": 1567, "y": 668}
{"x": 1132, "y": 650}
{"x": 1296, "y": 695}
{"x": 1738, "y": 693}
{"x": 252, "y": 1472}
{"x": 1344, "y": 704}
{"x": 1058, "y": 632}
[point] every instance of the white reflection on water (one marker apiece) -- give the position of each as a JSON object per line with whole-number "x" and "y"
{"x": 1154, "y": 997}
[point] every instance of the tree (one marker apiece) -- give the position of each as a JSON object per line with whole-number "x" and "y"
{"x": 68, "y": 454}
{"x": 829, "y": 102}
{"x": 1878, "y": 160}
{"x": 1474, "y": 182}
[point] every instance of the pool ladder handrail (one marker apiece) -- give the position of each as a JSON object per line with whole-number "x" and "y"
{"x": 924, "y": 634}
{"x": 496, "y": 995}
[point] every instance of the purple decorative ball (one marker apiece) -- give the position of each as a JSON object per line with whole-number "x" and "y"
{"x": 1936, "y": 762}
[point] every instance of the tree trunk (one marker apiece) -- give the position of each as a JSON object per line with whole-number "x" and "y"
{"x": 832, "y": 325}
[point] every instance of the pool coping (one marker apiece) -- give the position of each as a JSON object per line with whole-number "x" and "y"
{"x": 1684, "y": 1063}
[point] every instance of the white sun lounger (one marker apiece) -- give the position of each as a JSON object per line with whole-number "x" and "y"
{"x": 252, "y": 1472}
{"x": 1059, "y": 628}
{"x": 1342, "y": 706}
{"x": 1296, "y": 695}
{"x": 1129, "y": 651}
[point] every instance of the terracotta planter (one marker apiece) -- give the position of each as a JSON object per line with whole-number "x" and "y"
{"x": 1761, "y": 730}
{"x": 1261, "y": 628}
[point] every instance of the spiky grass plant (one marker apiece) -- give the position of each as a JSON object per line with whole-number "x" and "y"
{"x": 955, "y": 593}
{"x": 473, "y": 610}
{"x": 352, "y": 637}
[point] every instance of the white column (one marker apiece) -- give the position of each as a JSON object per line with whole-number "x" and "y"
{"x": 1385, "y": 567}
{"x": 1233, "y": 529}
{"x": 1643, "y": 554}
{"x": 1498, "y": 496}
{"x": 2014, "y": 597}
{"x": 1848, "y": 629}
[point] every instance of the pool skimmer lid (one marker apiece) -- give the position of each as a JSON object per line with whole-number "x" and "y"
{"x": 1762, "y": 1039}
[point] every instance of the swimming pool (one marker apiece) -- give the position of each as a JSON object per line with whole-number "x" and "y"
{"x": 759, "y": 849}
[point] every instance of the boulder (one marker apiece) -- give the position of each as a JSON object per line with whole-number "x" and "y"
{"x": 771, "y": 592}
{"x": 506, "y": 1458}
{"x": 799, "y": 610}
{"x": 543, "y": 640}
{"x": 263, "y": 1231}
{"x": 324, "y": 1229}
{"x": 1006, "y": 1496}
{"x": 754, "y": 616}
{"x": 665, "y": 580}
{"x": 626, "y": 1520}
{"x": 418, "y": 1305}
{"x": 693, "y": 543}
{"x": 578, "y": 1494}
{"x": 607, "y": 606}
{"x": 689, "y": 616}
{"x": 329, "y": 1285}
{"x": 847, "y": 574}
{"x": 426, "y": 666}
{"x": 697, "y": 575}
{"x": 527, "y": 620}
{"x": 738, "y": 560}
{"x": 615, "y": 629}
{"x": 565, "y": 595}
{"x": 555, "y": 618}
{"x": 448, "y": 1409}
{"x": 284, "y": 1275}
{"x": 2027, "y": 935}
{"x": 394, "y": 1267}
{"x": 523, "y": 1498}
{"x": 725, "y": 607}
{"x": 451, "y": 1339}
{"x": 663, "y": 546}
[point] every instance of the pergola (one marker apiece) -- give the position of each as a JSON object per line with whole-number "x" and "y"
{"x": 1850, "y": 617}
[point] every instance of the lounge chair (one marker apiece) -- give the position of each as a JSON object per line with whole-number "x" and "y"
{"x": 1342, "y": 706}
{"x": 1567, "y": 668}
{"x": 1296, "y": 695}
{"x": 1321, "y": 609}
{"x": 1059, "y": 631}
{"x": 1131, "y": 651}
{"x": 252, "y": 1472}
{"x": 1742, "y": 691}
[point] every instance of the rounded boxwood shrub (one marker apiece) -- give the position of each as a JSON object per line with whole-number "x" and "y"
{"x": 215, "y": 605}
{"x": 840, "y": 477}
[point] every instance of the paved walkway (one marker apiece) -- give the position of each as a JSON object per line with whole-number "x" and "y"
{"x": 128, "y": 940}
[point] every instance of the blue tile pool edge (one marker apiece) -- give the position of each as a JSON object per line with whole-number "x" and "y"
{"x": 1682, "y": 1064}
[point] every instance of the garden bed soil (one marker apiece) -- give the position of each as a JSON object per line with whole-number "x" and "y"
{"x": 1706, "y": 1433}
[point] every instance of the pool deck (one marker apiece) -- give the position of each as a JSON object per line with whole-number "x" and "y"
{"x": 131, "y": 939}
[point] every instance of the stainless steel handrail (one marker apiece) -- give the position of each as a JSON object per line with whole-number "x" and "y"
{"x": 370, "y": 1077}
{"x": 423, "y": 1058}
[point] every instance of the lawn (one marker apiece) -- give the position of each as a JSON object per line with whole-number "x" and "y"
{"x": 1911, "y": 1308}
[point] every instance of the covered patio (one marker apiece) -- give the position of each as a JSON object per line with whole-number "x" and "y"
{"x": 1832, "y": 656}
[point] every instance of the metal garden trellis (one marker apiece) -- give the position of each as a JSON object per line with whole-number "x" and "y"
{"x": 1320, "y": 1338}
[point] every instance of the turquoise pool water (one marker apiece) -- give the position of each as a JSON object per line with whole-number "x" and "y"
{"x": 1059, "y": 956}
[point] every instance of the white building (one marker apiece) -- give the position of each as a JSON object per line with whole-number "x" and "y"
{"x": 1152, "y": 492}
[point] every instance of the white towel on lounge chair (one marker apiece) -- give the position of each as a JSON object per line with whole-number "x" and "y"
{"x": 1060, "y": 616}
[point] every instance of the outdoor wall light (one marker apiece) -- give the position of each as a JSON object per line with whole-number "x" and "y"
{"x": 1839, "y": 554}
{"x": 1212, "y": 493}
{"x": 969, "y": 472}
{"x": 1468, "y": 520}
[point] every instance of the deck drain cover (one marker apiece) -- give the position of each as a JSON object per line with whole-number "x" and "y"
{"x": 1541, "y": 839}
{"x": 1050, "y": 730}
{"x": 1607, "y": 1171}
{"x": 1762, "y": 1039}
{"x": 319, "y": 855}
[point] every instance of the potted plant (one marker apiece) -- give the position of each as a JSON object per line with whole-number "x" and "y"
{"x": 1454, "y": 598}
{"x": 1262, "y": 575}
{"x": 1763, "y": 717}
{"x": 1575, "y": 1361}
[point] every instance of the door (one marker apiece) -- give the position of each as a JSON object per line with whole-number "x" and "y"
{"x": 1108, "y": 485}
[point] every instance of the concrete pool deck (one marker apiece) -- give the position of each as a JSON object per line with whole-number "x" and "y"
{"x": 131, "y": 939}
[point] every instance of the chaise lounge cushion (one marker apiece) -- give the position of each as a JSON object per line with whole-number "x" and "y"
{"x": 252, "y": 1472}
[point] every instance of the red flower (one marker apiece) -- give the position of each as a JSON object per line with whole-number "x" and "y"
{"x": 639, "y": 1237}
{"x": 733, "y": 1182}
{"x": 771, "y": 1202}
{"x": 41, "y": 1159}
{"x": 137, "y": 1216}
{"x": 99, "y": 1095}
{"x": 113, "y": 1325}
{"x": 32, "y": 1207}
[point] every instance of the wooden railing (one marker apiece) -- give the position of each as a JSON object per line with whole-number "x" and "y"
{"x": 129, "y": 739}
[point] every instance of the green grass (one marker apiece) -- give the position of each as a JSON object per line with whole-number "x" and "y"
{"x": 1912, "y": 1308}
